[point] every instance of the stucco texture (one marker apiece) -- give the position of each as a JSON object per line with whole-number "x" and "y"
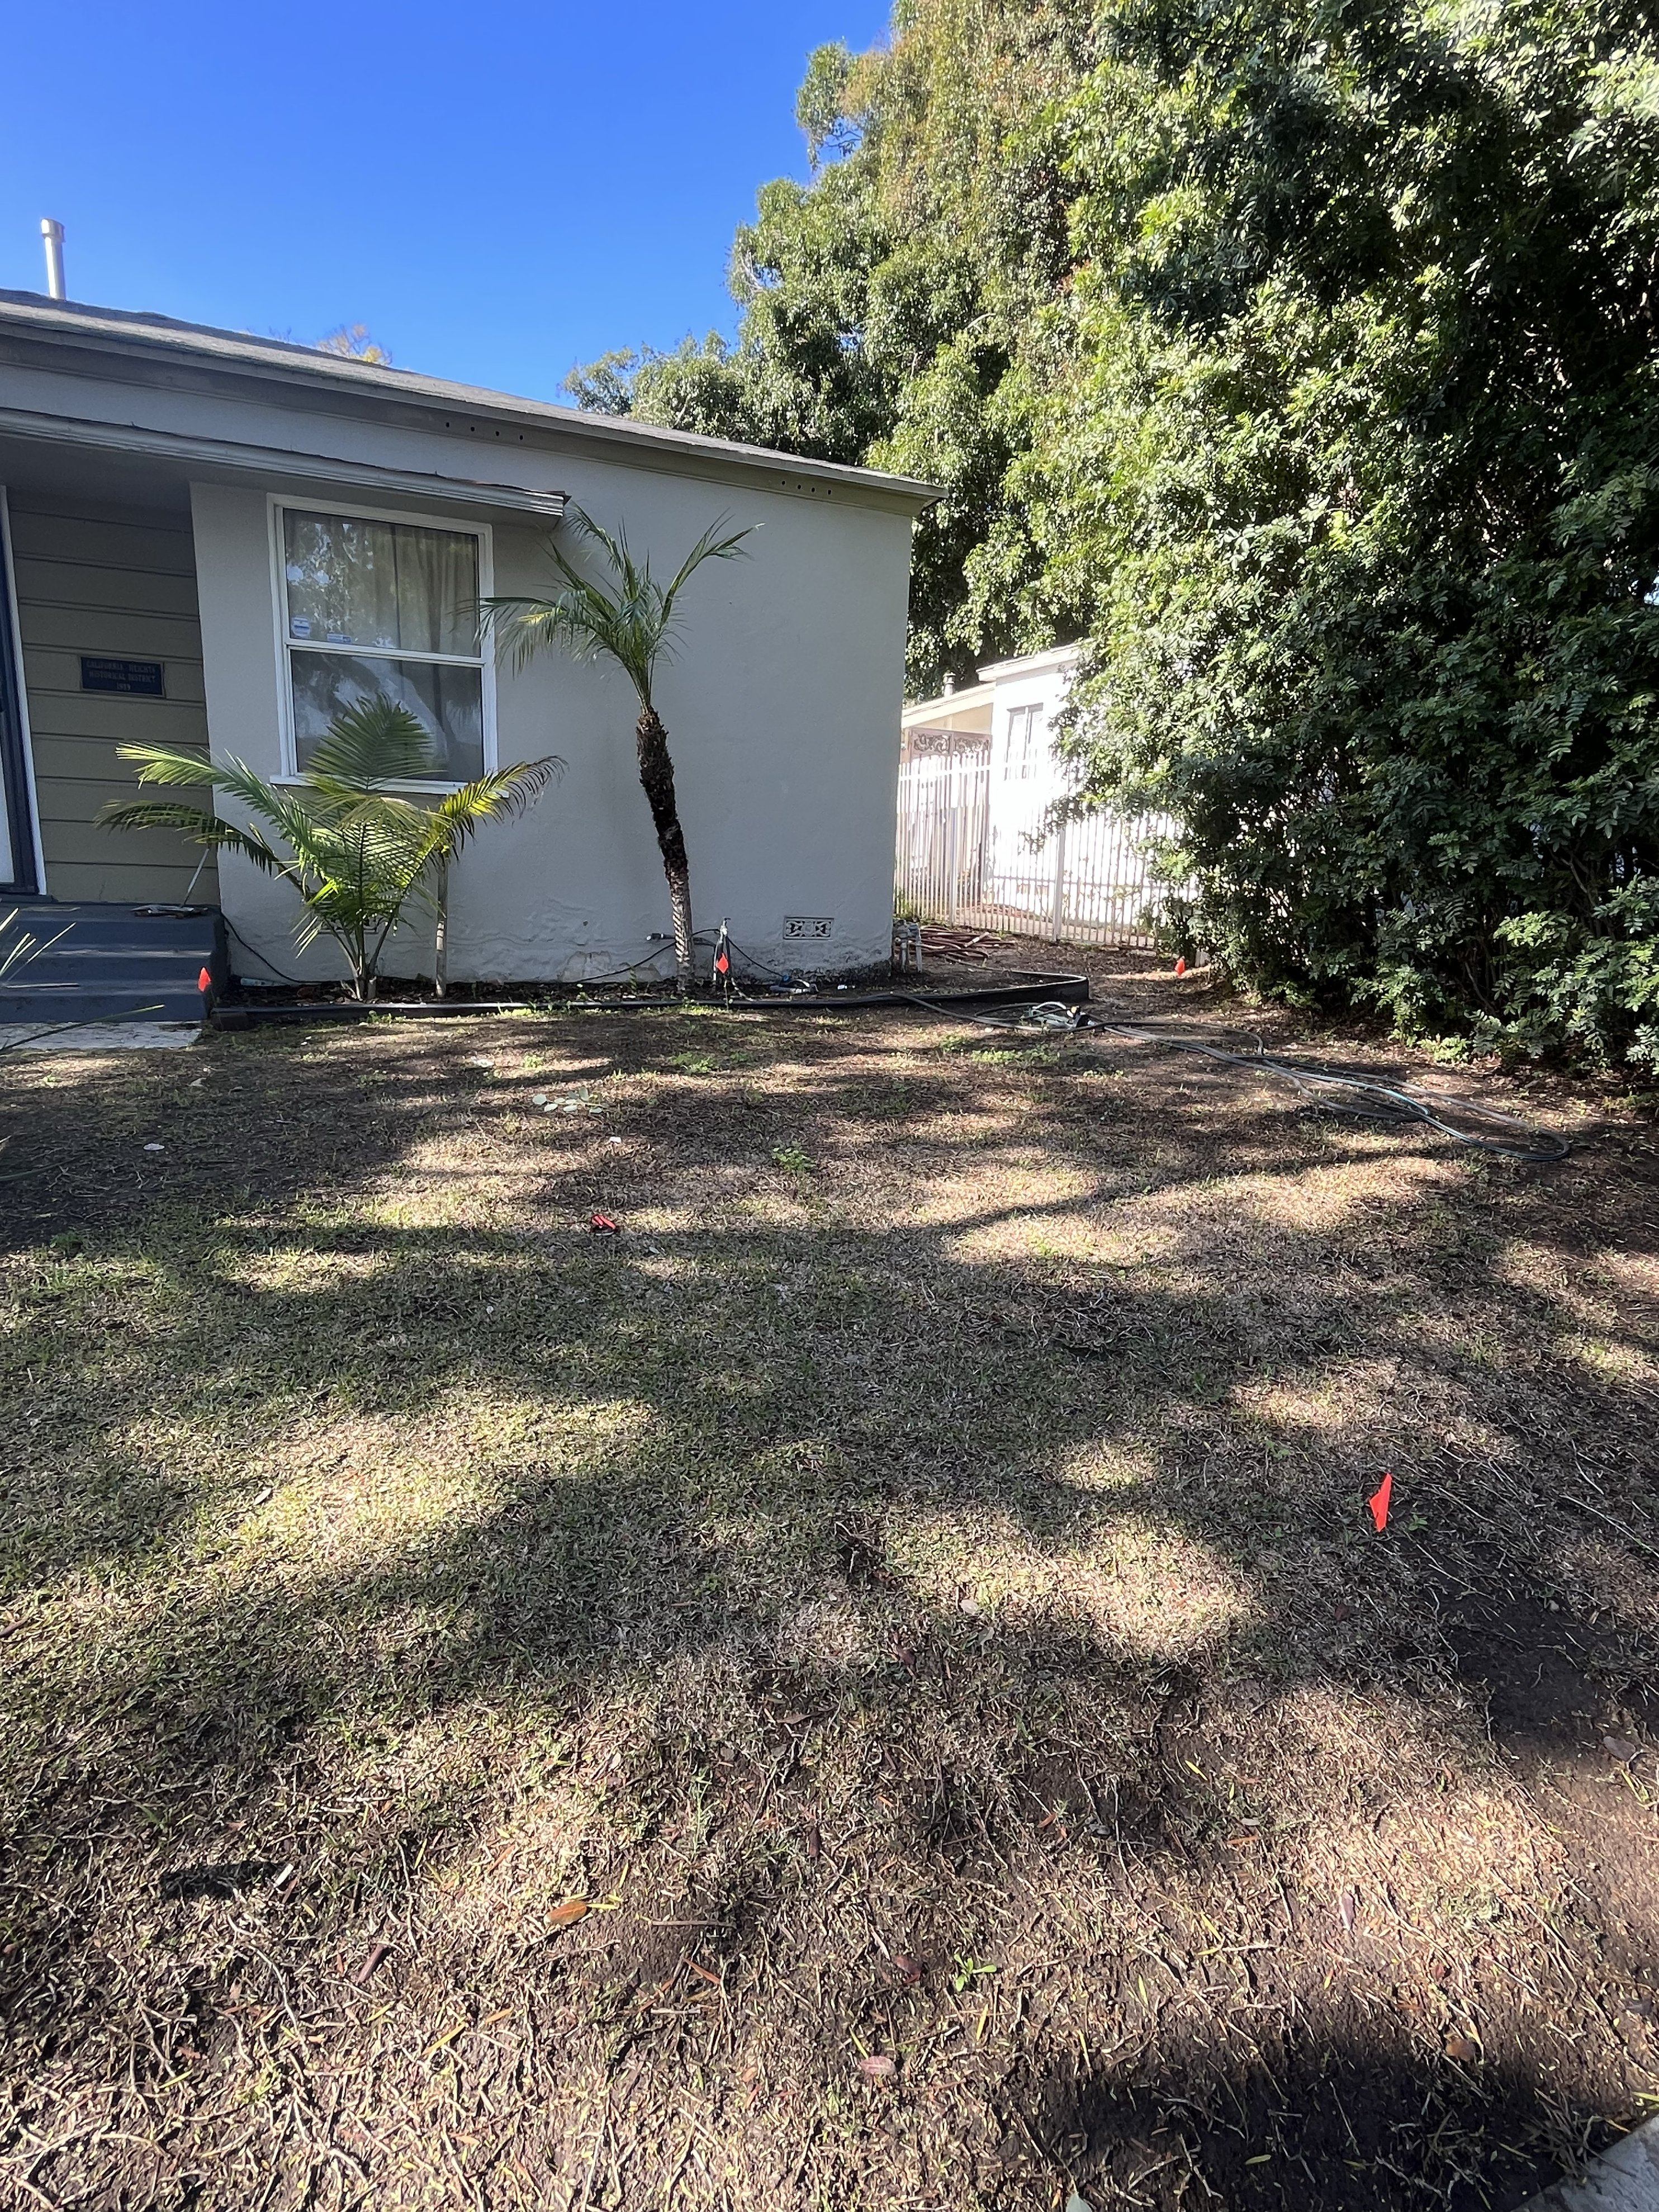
{"x": 782, "y": 706}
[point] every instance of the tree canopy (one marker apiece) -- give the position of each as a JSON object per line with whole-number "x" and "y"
{"x": 1300, "y": 357}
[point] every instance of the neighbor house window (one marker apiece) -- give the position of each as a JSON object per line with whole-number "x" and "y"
{"x": 373, "y": 608}
{"x": 1024, "y": 738}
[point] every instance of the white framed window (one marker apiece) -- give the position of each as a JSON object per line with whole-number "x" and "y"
{"x": 1025, "y": 731}
{"x": 372, "y": 604}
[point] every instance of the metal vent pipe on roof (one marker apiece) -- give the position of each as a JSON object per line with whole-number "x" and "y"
{"x": 51, "y": 235}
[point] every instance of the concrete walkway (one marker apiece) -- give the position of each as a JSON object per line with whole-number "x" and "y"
{"x": 98, "y": 1036}
{"x": 1625, "y": 2180}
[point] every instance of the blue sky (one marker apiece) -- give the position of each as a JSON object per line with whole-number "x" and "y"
{"x": 497, "y": 190}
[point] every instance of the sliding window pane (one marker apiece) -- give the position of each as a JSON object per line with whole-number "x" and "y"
{"x": 447, "y": 700}
{"x": 385, "y": 586}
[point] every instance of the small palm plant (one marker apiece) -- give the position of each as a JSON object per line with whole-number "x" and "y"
{"x": 628, "y": 617}
{"x": 359, "y": 852}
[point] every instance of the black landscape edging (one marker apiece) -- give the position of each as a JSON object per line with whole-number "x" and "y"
{"x": 1069, "y": 990}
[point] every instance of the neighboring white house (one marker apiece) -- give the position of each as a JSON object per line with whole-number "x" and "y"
{"x": 214, "y": 540}
{"x": 978, "y": 841}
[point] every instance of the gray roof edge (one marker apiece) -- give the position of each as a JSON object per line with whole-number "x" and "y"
{"x": 122, "y": 329}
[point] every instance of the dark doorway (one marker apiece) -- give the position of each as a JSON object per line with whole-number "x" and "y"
{"x": 17, "y": 870}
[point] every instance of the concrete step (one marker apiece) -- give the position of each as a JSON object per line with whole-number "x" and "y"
{"x": 101, "y": 962}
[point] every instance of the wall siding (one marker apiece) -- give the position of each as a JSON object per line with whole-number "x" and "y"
{"x": 120, "y": 581}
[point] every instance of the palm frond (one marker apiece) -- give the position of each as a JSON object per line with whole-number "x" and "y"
{"x": 165, "y": 764}
{"x": 163, "y": 814}
{"x": 358, "y": 850}
{"x": 201, "y": 826}
{"x": 711, "y": 546}
{"x": 506, "y": 794}
{"x": 628, "y": 617}
{"x": 377, "y": 741}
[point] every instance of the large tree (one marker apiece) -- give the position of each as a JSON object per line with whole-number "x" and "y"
{"x": 884, "y": 303}
{"x": 1299, "y": 356}
{"x": 1355, "y": 471}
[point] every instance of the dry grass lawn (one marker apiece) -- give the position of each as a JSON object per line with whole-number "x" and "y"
{"x": 875, "y": 1686}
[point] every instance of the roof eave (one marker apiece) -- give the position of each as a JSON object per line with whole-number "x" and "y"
{"x": 114, "y": 332}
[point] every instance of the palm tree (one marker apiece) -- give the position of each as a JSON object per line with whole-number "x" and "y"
{"x": 629, "y": 616}
{"x": 358, "y": 850}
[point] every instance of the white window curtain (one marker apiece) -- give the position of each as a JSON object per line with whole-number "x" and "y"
{"x": 360, "y": 595}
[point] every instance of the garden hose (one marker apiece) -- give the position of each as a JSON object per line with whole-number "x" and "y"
{"x": 1333, "y": 1090}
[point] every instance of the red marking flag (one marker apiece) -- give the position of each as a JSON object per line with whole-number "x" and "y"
{"x": 205, "y": 982}
{"x": 1180, "y": 965}
{"x": 1379, "y": 1502}
{"x": 603, "y": 1223}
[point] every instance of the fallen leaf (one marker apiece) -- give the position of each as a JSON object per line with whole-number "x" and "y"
{"x": 908, "y": 1969}
{"x": 1620, "y": 1748}
{"x": 878, "y": 2066}
{"x": 1463, "y": 2048}
{"x": 568, "y": 1914}
{"x": 1349, "y": 1909}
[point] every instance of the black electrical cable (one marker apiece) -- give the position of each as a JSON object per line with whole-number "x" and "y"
{"x": 624, "y": 975}
{"x": 755, "y": 961}
{"x": 282, "y": 972}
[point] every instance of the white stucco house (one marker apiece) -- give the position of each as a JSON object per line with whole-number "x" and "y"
{"x": 1007, "y": 721}
{"x": 211, "y": 539}
{"x": 982, "y": 839}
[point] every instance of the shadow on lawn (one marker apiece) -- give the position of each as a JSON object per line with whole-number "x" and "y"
{"x": 674, "y": 1477}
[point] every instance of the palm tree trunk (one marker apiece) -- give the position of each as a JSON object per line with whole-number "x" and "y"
{"x": 440, "y": 935}
{"x": 657, "y": 775}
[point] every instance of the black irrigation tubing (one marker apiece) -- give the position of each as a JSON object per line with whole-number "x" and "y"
{"x": 660, "y": 949}
{"x": 1336, "y": 1090}
{"x": 1048, "y": 1003}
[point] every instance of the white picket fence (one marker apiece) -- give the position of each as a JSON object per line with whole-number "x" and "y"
{"x": 983, "y": 858}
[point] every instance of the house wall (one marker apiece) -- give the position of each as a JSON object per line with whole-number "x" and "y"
{"x": 1015, "y": 688}
{"x": 781, "y": 704}
{"x": 100, "y": 577}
